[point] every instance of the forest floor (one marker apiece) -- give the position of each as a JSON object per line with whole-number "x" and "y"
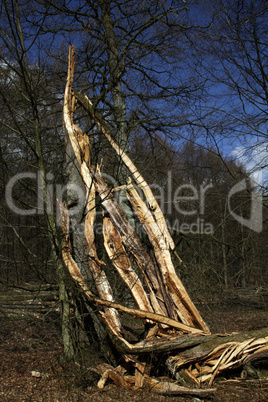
{"x": 30, "y": 345}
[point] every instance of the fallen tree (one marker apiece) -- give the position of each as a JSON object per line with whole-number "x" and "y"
{"x": 173, "y": 324}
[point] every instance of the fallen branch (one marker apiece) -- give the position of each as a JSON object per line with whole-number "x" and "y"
{"x": 151, "y": 384}
{"x": 209, "y": 359}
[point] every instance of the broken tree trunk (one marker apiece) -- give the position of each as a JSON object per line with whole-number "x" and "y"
{"x": 205, "y": 361}
{"x": 171, "y": 320}
{"x": 179, "y": 304}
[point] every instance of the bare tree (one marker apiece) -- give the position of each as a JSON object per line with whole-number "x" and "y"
{"x": 232, "y": 55}
{"x": 26, "y": 112}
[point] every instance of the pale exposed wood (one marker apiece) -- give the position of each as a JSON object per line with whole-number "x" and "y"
{"x": 117, "y": 375}
{"x": 139, "y": 374}
{"x": 120, "y": 260}
{"x": 185, "y": 308}
{"x": 160, "y": 387}
{"x": 223, "y": 358}
{"x": 76, "y": 275}
{"x": 261, "y": 353}
{"x": 220, "y": 358}
{"x": 101, "y": 282}
{"x": 171, "y": 388}
{"x": 152, "y": 203}
{"x": 102, "y": 285}
{"x": 36, "y": 374}
{"x": 132, "y": 242}
{"x": 212, "y": 343}
{"x": 191, "y": 376}
{"x": 80, "y": 144}
{"x": 68, "y": 106}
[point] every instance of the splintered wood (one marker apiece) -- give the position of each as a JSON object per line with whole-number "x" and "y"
{"x": 160, "y": 299}
{"x": 157, "y": 289}
{"x": 223, "y": 357}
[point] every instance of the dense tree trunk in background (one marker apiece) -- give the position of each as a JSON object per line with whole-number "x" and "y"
{"x": 224, "y": 257}
{"x": 116, "y": 70}
{"x": 69, "y": 350}
{"x": 27, "y": 88}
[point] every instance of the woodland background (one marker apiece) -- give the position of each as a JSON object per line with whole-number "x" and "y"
{"x": 183, "y": 84}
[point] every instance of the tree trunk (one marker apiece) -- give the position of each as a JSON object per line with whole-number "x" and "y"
{"x": 116, "y": 69}
{"x": 171, "y": 320}
{"x": 51, "y": 222}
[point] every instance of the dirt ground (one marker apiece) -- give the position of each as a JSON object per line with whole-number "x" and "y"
{"x": 32, "y": 345}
